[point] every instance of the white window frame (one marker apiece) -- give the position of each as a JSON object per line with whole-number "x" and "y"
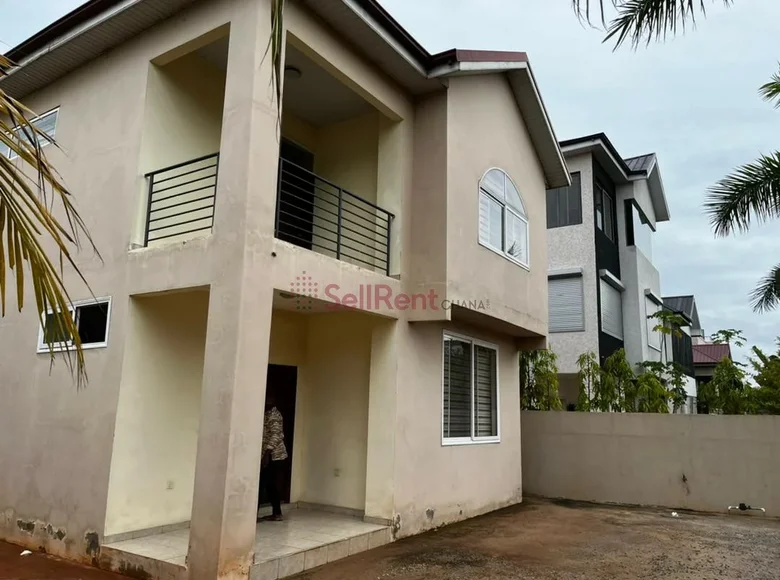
{"x": 451, "y": 441}
{"x": 10, "y": 155}
{"x": 505, "y": 207}
{"x": 66, "y": 346}
{"x": 651, "y": 323}
{"x": 610, "y": 279}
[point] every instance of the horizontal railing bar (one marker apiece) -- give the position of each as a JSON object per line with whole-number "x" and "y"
{"x": 311, "y": 187}
{"x": 375, "y": 237}
{"x": 180, "y": 194}
{"x": 373, "y": 223}
{"x": 182, "y": 233}
{"x": 315, "y": 245}
{"x": 343, "y": 245}
{"x": 372, "y": 227}
{"x": 178, "y": 175}
{"x": 196, "y": 180}
{"x": 182, "y": 164}
{"x": 182, "y": 203}
{"x": 165, "y": 217}
{"x": 287, "y": 162}
{"x": 375, "y": 246}
{"x": 192, "y": 221}
{"x": 314, "y": 188}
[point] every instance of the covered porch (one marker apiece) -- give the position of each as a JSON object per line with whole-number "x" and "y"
{"x": 307, "y": 538}
{"x": 322, "y": 367}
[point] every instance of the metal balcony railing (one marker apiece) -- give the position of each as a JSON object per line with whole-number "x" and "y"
{"x": 316, "y": 214}
{"x": 181, "y": 199}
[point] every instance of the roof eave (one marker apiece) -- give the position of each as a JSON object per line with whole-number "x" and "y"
{"x": 605, "y": 153}
{"x": 658, "y": 194}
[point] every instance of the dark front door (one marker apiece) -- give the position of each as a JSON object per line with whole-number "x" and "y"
{"x": 282, "y": 382}
{"x": 295, "y": 217}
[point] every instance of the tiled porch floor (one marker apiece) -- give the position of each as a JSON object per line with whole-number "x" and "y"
{"x": 305, "y": 539}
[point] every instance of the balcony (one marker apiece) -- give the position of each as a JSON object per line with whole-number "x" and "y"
{"x": 682, "y": 353}
{"x": 316, "y": 214}
{"x": 180, "y": 200}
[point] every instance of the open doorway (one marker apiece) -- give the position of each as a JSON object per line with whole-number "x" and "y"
{"x": 282, "y": 382}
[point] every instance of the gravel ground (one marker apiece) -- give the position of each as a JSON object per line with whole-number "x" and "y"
{"x": 567, "y": 541}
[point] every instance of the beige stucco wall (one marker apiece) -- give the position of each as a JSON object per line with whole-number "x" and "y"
{"x": 699, "y": 462}
{"x": 437, "y": 484}
{"x": 57, "y": 442}
{"x": 332, "y": 412}
{"x": 485, "y": 129}
{"x": 332, "y": 352}
{"x": 156, "y": 433}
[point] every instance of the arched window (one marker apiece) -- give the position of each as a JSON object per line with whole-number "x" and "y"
{"x": 503, "y": 222}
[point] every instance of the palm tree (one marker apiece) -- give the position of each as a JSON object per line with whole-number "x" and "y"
{"x": 37, "y": 212}
{"x": 750, "y": 192}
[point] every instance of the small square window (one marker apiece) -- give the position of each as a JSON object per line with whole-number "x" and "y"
{"x": 91, "y": 318}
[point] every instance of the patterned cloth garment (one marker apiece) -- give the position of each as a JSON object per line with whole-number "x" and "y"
{"x": 273, "y": 435}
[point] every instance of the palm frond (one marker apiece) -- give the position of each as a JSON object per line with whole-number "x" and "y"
{"x": 766, "y": 296}
{"x": 31, "y": 192}
{"x": 771, "y": 90}
{"x": 642, "y": 21}
{"x": 749, "y": 192}
{"x": 275, "y": 48}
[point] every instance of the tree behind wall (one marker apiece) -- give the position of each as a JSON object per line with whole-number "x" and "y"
{"x": 728, "y": 392}
{"x": 589, "y": 376}
{"x": 539, "y": 381}
{"x": 767, "y": 377}
{"x": 621, "y": 381}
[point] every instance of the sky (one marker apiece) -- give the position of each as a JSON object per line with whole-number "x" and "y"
{"x": 692, "y": 100}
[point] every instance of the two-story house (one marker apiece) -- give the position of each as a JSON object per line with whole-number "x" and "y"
{"x": 372, "y": 249}
{"x": 603, "y": 284}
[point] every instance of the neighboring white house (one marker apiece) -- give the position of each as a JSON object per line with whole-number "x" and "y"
{"x": 603, "y": 284}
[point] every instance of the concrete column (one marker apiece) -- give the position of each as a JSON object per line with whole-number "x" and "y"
{"x": 382, "y": 406}
{"x": 394, "y": 173}
{"x": 222, "y": 531}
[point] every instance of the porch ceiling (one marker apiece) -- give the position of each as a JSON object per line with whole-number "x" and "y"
{"x": 316, "y": 96}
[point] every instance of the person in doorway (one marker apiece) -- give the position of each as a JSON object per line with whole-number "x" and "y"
{"x": 274, "y": 454}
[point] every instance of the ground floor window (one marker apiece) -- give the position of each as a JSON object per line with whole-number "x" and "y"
{"x": 91, "y": 318}
{"x": 470, "y": 391}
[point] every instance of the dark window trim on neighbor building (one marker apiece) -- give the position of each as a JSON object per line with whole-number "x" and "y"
{"x": 564, "y": 204}
{"x": 604, "y": 204}
{"x": 608, "y": 343}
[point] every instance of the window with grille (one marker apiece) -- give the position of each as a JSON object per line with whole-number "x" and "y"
{"x": 46, "y": 123}
{"x": 470, "y": 391}
{"x": 503, "y": 222}
{"x": 564, "y": 204}
{"x": 91, "y": 318}
{"x": 605, "y": 212}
